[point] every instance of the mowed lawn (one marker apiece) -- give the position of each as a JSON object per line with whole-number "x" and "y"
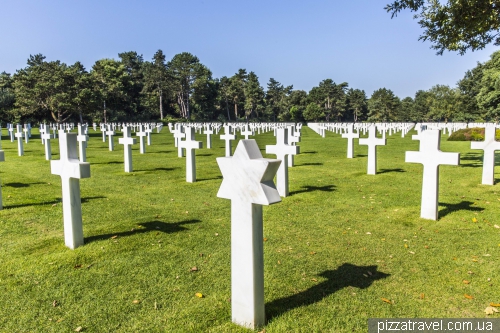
{"x": 343, "y": 247}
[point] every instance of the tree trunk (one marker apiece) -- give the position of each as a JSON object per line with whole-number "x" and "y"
{"x": 161, "y": 104}
{"x": 105, "y": 112}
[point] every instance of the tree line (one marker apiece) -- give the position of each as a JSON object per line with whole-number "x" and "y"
{"x": 132, "y": 89}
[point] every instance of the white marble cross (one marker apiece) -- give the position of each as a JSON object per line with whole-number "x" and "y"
{"x": 26, "y": 131}
{"x": 431, "y": 157}
{"x": 71, "y": 171}
{"x": 227, "y": 136}
{"x": 372, "y": 142}
{"x": 489, "y": 145}
{"x": 149, "y": 130}
{"x": 82, "y": 139}
{"x": 127, "y": 141}
{"x": 10, "y": 127}
{"x": 141, "y": 133}
{"x": 190, "y": 145}
{"x": 246, "y": 132}
{"x": 103, "y": 130}
{"x": 110, "y": 132}
{"x": 19, "y": 135}
{"x": 248, "y": 183}
{"x": 281, "y": 149}
{"x": 350, "y": 136}
{"x": 46, "y": 136}
{"x": 293, "y": 138}
{"x": 209, "y": 131}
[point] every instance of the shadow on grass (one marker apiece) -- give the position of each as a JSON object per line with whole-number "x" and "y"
{"x": 475, "y": 158}
{"x": 360, "y": 155}
{"x": 54, "y": 202}
{"x": 206, "y": 179}
{"x": 158, "y": 169}
{"x": 391, "y": 170}
{"x": 326, "y": 188}
{"x": 306, "y": 164}
{"x": 158, "y": 226}
{"x": 450, "y": 208}
{"x": 17, "y": 185}
{"x": 204, "y": 154}
{"x": 110, "y": 162}
{"x": 309, "y": 152}
{"x": 347, "y": 275}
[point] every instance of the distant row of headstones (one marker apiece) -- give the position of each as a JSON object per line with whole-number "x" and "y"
{"x": 429, "y": 155}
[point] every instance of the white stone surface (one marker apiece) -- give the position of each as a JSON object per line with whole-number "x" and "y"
{"x": 141, "y": 133}
{"x": 248, "y": 183}
{"x": 372, "y": 142}
{"x": 19, "y": 135}
{"x": 281, "y": 149}
{"x": 209, "y": 131}
{"x": 489, "y": 145}
{"x": 431, "y": 157}
{"x": 190, "y": 144}
{"x": 46, "y": 136}
{"x": 228, "y": 137}
{"x": 350, "y": 136}
{"x": 82, "y": 139}
{"x": 71, "y": 171}
{"x": 293, "y": 139}
{"x": 127, "y": 141}
{"x": 110, "y": 133}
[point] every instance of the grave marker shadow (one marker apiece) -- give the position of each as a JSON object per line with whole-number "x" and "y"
{"x": 156, "y": 226}
{"x": 346, "y": 275}
{"x": 463, "y": 205}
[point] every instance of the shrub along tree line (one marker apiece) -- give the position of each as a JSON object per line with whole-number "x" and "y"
{"x": 134, "y": 89}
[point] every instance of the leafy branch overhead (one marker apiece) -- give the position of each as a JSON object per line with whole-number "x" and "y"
{"x": 458, "y": 25}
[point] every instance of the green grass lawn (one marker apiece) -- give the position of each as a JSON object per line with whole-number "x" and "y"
{"x": 334, "y": 249}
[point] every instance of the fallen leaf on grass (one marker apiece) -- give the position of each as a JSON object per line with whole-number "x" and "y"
{"x": 474, "y": 220}
{"x": 495, "y": 304}
{"x": 78, "y": 329}
{"x": 468, "y": 296}
{"x": 490, "y": 310}
{"x": 55, "y": 303}
{"x": 312, "y": 253}
{"x": 200, "y": 295}
{"x": 315, "y": 280}
{"x": 136, "y": 301}
{"x": 115, "y": 236}
{"x": 466, "y": 282}
{"x": 386, "y": 300}
{"x": 193, "y": 269}
{"x": 497, "y": 226}
{"x": 422, "y": 296}
{"x": 78, "y": 266}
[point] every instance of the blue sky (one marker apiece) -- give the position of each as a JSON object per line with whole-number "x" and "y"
{"x": 297, "y": 43}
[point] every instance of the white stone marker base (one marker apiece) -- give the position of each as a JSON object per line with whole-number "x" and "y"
{"x": 431, "y": 157}
{"x": 489, "y": 145}
{"x": 248, "y": 183}
{"x": 71, "y": 170}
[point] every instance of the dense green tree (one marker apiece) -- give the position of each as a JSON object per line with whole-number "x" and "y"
{"x": 356, "y": 103}
{"x": 223, "y": 95}
{"x": 297, "y": 102}
{"x": 332, "y": 97}
{"x": 183, "y": 70}
{"x": 458, "y": 25}
{"x": 383, "y": 106}
{"x": 421, "y": 106}
{"x": 204, "y": 97}
{"x": 406, "y": 110}
{"x": 7, "y": 97}
{"x": 156, "y": 79}
{"x": 111, "y": 81}
{"x": 236, "y": 91}
{"x": 469, "y": 88}
{"x": 276, "y": 100}
{"x": 442, "y": 103}
{"x": 48, "y": 88}
{"x": 254, "y": 96}
{"x": 313, "y": 112}
{"x": 134, "y": 67}
{"x": 488, "y": 97}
